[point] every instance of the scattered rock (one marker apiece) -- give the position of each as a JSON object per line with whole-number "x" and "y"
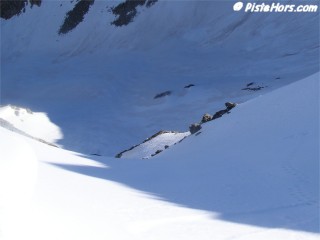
{"x": 157, "y": 152}
{"x": 198, "y": 133}
{"x": 206, "y": 118}
{"x": 163, "y": 94}
{"x": 189, "y": 86}
{"x": 195, "y": 127}
{"x": 166, "y": 147}
{"x": 253, "y": 88}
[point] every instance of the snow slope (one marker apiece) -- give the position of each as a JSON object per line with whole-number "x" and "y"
{"x": 253, "y": 174}
{"x": 98, "y": 82}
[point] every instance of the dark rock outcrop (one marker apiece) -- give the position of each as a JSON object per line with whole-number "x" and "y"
{"x": 10, "y": 8}
{"x": 75, "y": 16}
{"x": 127, "y": 11}
{"x": 157, "y": 152}
{"x": 189, "y": 86}
{"x": 163, "y": 94}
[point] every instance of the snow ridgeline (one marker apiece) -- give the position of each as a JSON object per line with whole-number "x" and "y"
{"x": 30, "y": 124}
{"x": 162, "y": 140}
{"x": 253, "y": 174}
{"x": 39, "y": 127}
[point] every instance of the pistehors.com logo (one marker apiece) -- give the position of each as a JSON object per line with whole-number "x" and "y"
{"x": 273, "y": 7}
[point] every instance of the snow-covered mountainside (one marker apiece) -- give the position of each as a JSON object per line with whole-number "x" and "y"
{"x": 98, "y": 68}
{"x": 102, "y": 76}
{"x": 253, "y": 174}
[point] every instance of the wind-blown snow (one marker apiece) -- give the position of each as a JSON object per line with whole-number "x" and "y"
{"x": 253, "y": 174}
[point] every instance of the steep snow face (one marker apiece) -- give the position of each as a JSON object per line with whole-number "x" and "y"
{"x": 37, "y": 125}
{"x": 253, "y": 174}
{"x": 98, "y": 81}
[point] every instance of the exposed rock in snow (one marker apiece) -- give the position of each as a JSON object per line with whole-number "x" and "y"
{"x": 189, "y": 86}
{"x": 163, "y": 94}
{"x": 127, "y": 11}
{"x": 75, "y": 16}
{"x": 254, "y": 86}
{"x": 10, "y": 8}
{"x": 194, "y": 127}
{"x": 153, "y": 145}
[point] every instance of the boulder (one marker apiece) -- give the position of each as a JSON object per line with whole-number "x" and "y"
{"x": 230, "y": 105}
{"x": 206, "y": 118}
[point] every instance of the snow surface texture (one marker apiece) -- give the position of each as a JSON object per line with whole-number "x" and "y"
{"x": 253, "y": 174}
{"x": 99, "y": 79}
